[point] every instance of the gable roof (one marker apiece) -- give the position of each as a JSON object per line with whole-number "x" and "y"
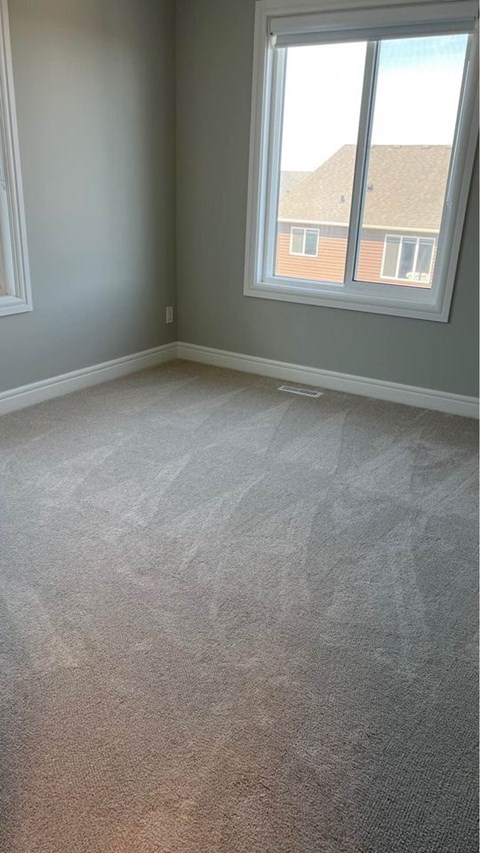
{"x": 406, "y": 188}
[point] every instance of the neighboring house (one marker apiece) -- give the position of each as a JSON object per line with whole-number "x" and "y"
{"x": 403, "y": 208}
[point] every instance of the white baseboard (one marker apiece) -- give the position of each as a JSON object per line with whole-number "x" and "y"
{"x": 425, "y": 398}
{"x": 38, "y": 392}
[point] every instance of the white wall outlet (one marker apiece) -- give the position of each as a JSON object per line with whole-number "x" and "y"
{"x": 169, "y": 314}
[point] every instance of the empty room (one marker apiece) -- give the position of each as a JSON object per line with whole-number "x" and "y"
{"x": 239, "y": 348}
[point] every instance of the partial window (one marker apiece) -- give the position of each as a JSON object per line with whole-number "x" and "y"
{"x": 304, "y": 241}
{"x": 317, "y": 198}
{"x": 15, "y": 295}
{"x": 408, "y": 259}
{"x": 364, "y": 130}
{"x": 417, "y": 96}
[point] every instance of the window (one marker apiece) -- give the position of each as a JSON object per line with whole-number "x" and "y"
{"x": 408, "y": 259}
{"x": 364, "y": 129}
{"x": 15, "y": 295}
{"x": 304, "y": 241}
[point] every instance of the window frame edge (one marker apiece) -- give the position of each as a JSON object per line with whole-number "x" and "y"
{"x": 22, "y": 301}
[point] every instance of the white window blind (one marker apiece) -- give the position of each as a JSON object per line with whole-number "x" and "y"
{"x": 377, "y": 23}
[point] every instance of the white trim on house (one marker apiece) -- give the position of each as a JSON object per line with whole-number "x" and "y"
{"x": 403, "y": 229}
{"x": 394, "y": 392}
{"x": 57, "y": 386}
{"x": 66, "y": 383}
{"x": 16, "y": 272}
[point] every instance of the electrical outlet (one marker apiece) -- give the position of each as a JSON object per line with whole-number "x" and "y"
{"x": 169, "y": 314}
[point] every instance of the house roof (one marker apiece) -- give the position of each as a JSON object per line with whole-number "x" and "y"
{"x": 289, "y": 180}
{"x": 406, "y": 186}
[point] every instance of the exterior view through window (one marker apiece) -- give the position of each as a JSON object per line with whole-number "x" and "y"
{"x": 364, "y": 130}
{"x": 318, "y": 144}
{"x": 415, "y": 105}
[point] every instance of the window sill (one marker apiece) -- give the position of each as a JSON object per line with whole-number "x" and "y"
{"x": 13, "y": 305}
{"x": 418, "y": 308}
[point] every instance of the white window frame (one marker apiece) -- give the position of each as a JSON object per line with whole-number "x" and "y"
{"x": 401, "y": 238}
{"x": 334, "y": 20}
{"x": 303, "y": 253}
{"x": 14, "y": 265}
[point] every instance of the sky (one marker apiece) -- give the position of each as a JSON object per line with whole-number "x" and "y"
{"x": 418, "y": 89}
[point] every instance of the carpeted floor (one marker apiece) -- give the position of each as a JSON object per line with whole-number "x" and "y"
{"x": 236, "y": 621}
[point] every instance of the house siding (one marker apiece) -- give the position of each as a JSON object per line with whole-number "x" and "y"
{"x": 370, "y": 256}
{"x": 329, "y": 263}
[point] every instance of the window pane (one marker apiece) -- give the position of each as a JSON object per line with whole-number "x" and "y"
{"x": 424, "y": 259}
{"x": 296, "y": 245}
{"x": 390, "y": 259}
{"x": 318, "y": 146}
{"x": 407, "y": 258}
{"x": 311, "y": 242}
{"x": 416, "y": 104}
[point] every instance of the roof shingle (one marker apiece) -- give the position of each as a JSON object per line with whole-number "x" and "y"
{"x": 406, "y": 187}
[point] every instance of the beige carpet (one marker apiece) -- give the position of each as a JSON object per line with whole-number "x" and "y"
{"x": 234, "y": 620}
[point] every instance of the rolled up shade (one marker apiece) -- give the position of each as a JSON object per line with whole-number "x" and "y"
{"x": 372, "y": 24}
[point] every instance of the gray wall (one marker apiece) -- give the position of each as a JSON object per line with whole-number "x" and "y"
{"x": 95, "y": 87}
{"x": 214, "y": 66}
{"x": 95, "y": 90}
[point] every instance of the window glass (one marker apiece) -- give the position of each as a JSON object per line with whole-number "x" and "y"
{"x": 311, "y": 238}
{"x": 424, "y": 259}
{"x": 390, "y": 260}
{"x": 318, "y": 145}
{"x": 415, "y": 110}
{"x": 407, "y": 257}
{"x": 297, "y": 241}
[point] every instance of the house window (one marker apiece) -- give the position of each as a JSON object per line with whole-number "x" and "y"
{"x": 385, "y": 149}
{"x": 15, "y": 295}
{"x": 408, "y": 259}
{"x": 304, "y": 241}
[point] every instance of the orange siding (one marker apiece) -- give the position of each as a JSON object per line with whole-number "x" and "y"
{"x": 370, "y": 259}
{"x": 329, "y": 264}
